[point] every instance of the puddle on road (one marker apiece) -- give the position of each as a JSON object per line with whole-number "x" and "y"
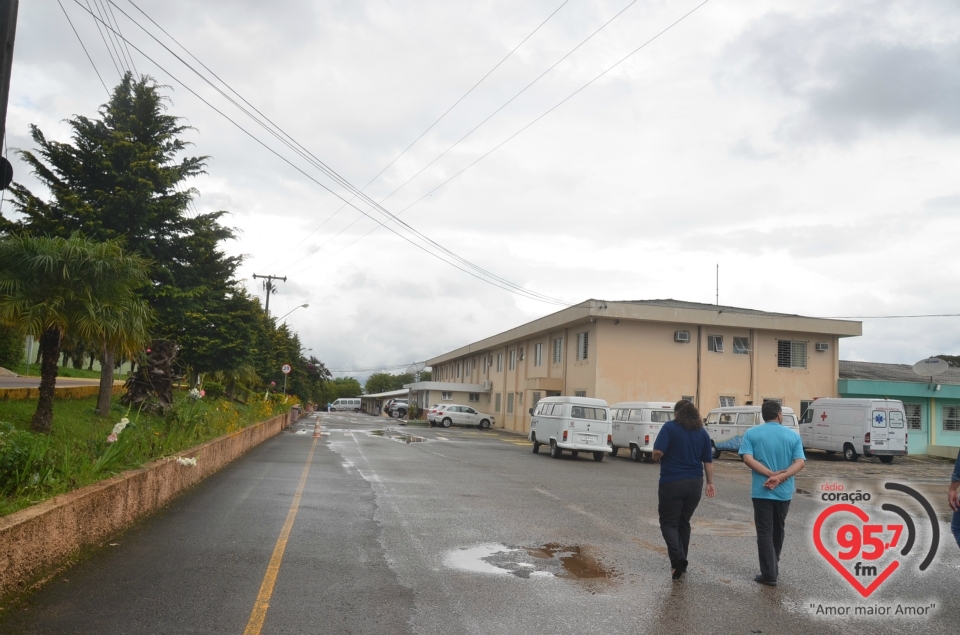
{"x": 401, "y": 437}
{"x": 549, "y": 561}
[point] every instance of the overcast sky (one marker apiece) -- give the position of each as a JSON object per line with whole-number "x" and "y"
{"x": 808, "y": 148}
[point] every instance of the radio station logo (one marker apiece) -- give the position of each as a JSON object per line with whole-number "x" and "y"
{"x": 867, "y": 547}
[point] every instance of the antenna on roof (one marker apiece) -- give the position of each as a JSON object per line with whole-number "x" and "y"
{"x": 415, "y": 369}
{"x": 930, "y": 367}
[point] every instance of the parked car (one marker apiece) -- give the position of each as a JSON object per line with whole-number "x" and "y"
{"x": 397, "y": 408}
{"x": 450, "y": 414}
{"x": 636, "y": 424}
{"x": 577, "y": 424}
{"x": 432, "y": 413}
{"x": 726, "y": 426}
{"x": 871, "y": 427}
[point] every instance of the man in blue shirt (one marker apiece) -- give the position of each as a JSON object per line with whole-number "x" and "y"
{"x": 775, "y": 454}
{"x": 954, "y": 501}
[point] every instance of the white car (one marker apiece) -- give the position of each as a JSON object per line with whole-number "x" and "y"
{"x": 449, "y": 414}
{"x": 432, "y": 413}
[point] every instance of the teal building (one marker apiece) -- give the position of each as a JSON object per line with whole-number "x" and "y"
{"x": 932, "y": 404}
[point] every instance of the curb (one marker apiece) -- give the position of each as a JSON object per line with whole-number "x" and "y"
{"x": 39, "y": 540}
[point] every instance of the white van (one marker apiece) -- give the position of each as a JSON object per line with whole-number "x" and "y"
{"x": 726, "y": 426}
{"x": 344, "y": 404}
{"x": 872, "y": 427}
{"x": 635, "y": 425}
{"x": 578, "y": 424}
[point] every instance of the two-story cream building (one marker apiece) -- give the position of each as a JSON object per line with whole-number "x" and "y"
{"x": 651, "y": 350}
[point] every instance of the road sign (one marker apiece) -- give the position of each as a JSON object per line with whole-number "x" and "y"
{"x": 286, "y": 369}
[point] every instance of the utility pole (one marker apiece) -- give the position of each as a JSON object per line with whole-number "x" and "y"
{"x": 8, "y": 32}
{"x": 268, "y": 285}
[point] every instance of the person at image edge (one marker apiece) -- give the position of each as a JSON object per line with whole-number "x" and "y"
{"x": 775, "y": 454}
{"x": 683, "y": 450}
{"x": 954, "y": 501}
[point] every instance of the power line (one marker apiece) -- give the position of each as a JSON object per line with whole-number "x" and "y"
{"x": 521, "y": 130}
{"x": 108, "y": 7}
{"x": 323, "y": 167}
{"x": 84, "y": 48}
{"x": 429, "y": 128}
{"x": 121, "y": 69}
{"x": 490, "y": 279}
{"x": 104, "y": 38}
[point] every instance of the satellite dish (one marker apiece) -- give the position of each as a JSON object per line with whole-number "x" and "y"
{"x": 415, "y": 369}
{"x": 930, "y": 367}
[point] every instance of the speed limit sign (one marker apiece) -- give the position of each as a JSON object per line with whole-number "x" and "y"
{"x": 286, "y": 369}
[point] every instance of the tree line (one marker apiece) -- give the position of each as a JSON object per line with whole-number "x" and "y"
{"x": 112, "y": 257}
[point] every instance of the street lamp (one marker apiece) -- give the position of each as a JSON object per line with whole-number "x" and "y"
{"x": 302, "y": 306}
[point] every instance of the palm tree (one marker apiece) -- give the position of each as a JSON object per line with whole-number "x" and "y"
{"x": 53, "y": 286}
{"x": 125, "y": 329}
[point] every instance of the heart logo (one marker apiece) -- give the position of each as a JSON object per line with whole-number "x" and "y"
{"x": 863, "y": 542}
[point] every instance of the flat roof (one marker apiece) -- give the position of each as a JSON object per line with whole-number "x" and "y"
{"x": 451, "y": 386}
{"x": 389, "y": 393}
{"x": 667, "y": 310}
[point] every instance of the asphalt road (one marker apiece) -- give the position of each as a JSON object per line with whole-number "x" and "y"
{"x": 466, "y": 531}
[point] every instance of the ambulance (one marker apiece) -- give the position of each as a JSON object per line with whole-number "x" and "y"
{"x": 867, "y": 427}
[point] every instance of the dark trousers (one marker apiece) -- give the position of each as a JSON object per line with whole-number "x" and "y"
{"x": 678, "y": 501}
{"x": 770, "y": 516}
{"x": 955, "y": 527}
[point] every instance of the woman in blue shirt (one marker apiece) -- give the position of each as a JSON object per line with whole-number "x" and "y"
{"x": 683, "y": 450}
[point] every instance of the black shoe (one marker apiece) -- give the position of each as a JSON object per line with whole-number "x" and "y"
{"x": 680, "y": 569}
{"x": 762, "y": 580}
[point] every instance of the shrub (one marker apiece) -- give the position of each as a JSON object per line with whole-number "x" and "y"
{"x": 11, "y": 347}
{"x": 213, "y": 390}
{"x": 25, "y": 459}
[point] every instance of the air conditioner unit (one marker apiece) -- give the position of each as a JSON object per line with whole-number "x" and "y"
{"x": 487, "y": 385}
{"x": 822, "y": 346}
{"x": 681, "y": 336}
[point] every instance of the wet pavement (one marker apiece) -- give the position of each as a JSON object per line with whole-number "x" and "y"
{"x": 422, "y": 530}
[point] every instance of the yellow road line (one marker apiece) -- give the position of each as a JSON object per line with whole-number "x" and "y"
{"x": 259, "y": 613}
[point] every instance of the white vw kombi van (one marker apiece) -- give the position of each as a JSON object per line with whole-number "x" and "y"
{"x": 726, "y": 426}
{"x": 577, "y": 424}
{"x": 872, "y": 427}
{"x": 345, "y": 404}
{"x": 635, "y": 425}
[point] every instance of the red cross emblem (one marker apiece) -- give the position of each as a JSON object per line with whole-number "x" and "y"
{"x": 823, "y": 417}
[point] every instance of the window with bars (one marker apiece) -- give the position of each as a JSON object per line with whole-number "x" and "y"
{"x": 726, "y": 402}
{"x": 513, "y": 360}
{"x": 914, "y": 416}
{"x": 951, "y": 418}
{"x": 776, "y": 400}
{"x": 536, "y": 398}
{"x": 741, "y": 345}
{"x": 509, "y": 403}
{"x": 537, "y": 354}
{"x": 579, "y": 393}
{"x": 474, "y": 396}
{"x": 582, "y": 346}
{"x": 558, "y": 350}
{"x": 791, "y": 354}
{"x": 446, "y": 396}
{"x": 496, "y": 402}
{"x": 715, "y": 343}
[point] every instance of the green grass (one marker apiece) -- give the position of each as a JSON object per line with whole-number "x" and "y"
{"x": 35, "y": 467}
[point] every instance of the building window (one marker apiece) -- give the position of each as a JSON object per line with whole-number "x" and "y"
{"x": 582, "y": 346}
{"x": 715, "y": 343}
{"x": 520, "y": 354}
{"x": 513, "y": 360}
{"x": 689, "y": 398}
{"x": 951, "y": 418}
{"x": 536, "y": 398}
{"x": 805, "y": 405}
{"x": 466, "y": 371}
{"x": 459, "y": 368}
{"x": 446, "y": 396}
{"x": 499, "y": 364}
{"x": 496, "y": 402}
{"x": 775, "y": 400}
{"x": 726, "y": 402}
{"x": 509, "y": 403}
{"x": 791, "y": 354}
{"x": 579, "y": 393}
{"x": 537, "y": 354}
{"x": 474, "y": 396}
{"x": 914, "y": 416}
{"x": 741, "y": 345}
{"x": 558, "y": 350}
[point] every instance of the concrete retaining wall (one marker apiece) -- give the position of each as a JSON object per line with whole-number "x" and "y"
{"x": 61, "y": 392}
{"x": 37, "y": 541}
